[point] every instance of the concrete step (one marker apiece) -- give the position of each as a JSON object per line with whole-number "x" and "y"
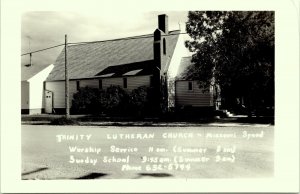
{"x": 227, "y": 113}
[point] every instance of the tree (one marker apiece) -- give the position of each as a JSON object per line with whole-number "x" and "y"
{"x": 235, "y": 51}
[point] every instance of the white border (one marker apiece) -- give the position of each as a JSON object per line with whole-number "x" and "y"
{"x": 287, "y": 99}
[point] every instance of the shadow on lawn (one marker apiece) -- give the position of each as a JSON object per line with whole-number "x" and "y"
{"x": 92, "y": 176}
{"x": 157, "y": 175}
{"x": 34, "y": 171}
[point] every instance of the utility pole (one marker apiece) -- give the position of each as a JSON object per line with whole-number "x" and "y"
{"x": 30, "y": 55}
{"x": 30, "y": 63}
{"x": 66, "y": 80}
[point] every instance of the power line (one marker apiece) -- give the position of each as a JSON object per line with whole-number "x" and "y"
{"x": 127, "y": 38}
{"x": 92, "y": 42}
{"x": 43, "y": 49}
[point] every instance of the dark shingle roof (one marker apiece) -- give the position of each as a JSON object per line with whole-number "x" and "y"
{"x": 29, "y": 72}
{"x": 88, "y": 60}
{"x": 145, "y": 67}
{"x": 185, "y": 64}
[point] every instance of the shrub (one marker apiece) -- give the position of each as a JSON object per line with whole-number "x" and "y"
{"x": 139, "y": 99}
{"x": 86, "y": 100}
{"x": 115, "y": 100}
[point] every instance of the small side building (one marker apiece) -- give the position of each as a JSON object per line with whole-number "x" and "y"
{"x": 188, "y": 94}
{"x": 32, "y": 88}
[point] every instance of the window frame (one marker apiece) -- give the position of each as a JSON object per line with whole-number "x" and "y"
{"x": 100, "y": 84}
{"x": 190, "y": 86}
{"x": 125, "y": 82}
{"x": 77, "y": 85}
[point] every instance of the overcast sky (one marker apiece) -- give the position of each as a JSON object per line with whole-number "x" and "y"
{"x": 45, "y": 29}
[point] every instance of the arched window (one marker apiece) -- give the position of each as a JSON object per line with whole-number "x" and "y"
{"x": 164, "y": 46}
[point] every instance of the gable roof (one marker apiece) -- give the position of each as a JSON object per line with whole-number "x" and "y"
{"x": 30, "y": 71}
{"x": 185, "y": 64}
{"x": 144, "y": 67}
{"x": 89, "y": 60}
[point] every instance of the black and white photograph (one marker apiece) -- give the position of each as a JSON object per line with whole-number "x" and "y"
{"x": 187, "y": 100}
{"x": 154, "y": 95}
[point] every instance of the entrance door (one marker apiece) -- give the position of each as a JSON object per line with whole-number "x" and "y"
{"x": 48, "y": 102}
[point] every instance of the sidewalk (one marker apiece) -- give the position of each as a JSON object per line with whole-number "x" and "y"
{"x": 87, "y": 120}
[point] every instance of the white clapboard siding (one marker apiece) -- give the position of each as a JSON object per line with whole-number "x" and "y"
{"x": 58, "y": 89}
{"x": 132, "y": 82}
{"x": 36, "y": 95}
{"x": 135, "y": 82}
{"x": 195, "y": 97}
{"x": 92, "y": 83}
{"x": 106, "y": 82}
{"x": 33, "y": 91}
{"x": 25, "y": 95}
